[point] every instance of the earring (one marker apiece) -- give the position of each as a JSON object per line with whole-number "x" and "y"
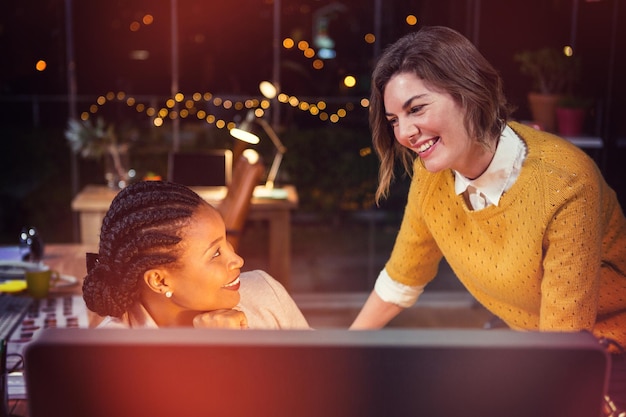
{"x": 168, "y": 294}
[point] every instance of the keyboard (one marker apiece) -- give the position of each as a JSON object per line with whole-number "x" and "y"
{"x": 12, "y": 311}
{"x": 55, "y": 311}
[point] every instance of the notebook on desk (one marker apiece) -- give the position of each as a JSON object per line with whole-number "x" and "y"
{"x": 330, "y": 373}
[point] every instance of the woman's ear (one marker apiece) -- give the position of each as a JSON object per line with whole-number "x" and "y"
{"x": 155, "y": 279}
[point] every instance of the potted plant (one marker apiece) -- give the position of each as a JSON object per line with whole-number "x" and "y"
{"x": 97, "y": 140}
{"x": 571, "y": 111}
{"x": 553, "y": 75}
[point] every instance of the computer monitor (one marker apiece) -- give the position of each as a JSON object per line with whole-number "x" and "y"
{"x": 201, "y": 168}
{"x": 320, "y": 373}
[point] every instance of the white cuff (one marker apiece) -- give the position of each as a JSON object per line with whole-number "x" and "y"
{"x": 394, "y": 292}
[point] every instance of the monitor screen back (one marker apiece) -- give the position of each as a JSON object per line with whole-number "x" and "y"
{"x": 207, "y": 168}
{"x": 322, "y": 373}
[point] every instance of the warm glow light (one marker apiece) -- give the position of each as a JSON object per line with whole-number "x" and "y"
{"x": 251, "y": 155}
{"x": 411, "y": 20}
{"x": 318, "y": 64}
{"x": 268, "y": 89}
{"x": 134, "y": 26}
{"x": 365, "y": 151}
{"x": 365, "y": 102}
{"x": 349, "y": 81}
{"x": 170, "y": 103}
{"x": 288, "y": 43}
{"x": 139, "y": 55}
{"x": 568, "y": 51}
{"x": 179, "y": 97}
{"x": 40, "y": 65}
{"x": 370, "y": 38}
{"x": 245, "y": 136}
{"x": 148, "y": 19}
{"x": 309, "y": 53}
{"x": 303, "y": 45}
{"x": 158, "y": 121}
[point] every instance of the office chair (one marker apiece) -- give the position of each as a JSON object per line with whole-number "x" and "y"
{"x": 234, "y": 208}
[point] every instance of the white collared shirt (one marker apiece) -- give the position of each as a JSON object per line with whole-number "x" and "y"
{"x": 483, "y": 191}
{"x": 500, "y": 174}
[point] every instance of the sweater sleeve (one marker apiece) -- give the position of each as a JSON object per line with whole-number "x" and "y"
{"x": 572, "y": 246}
{"x": 415, "y": 256}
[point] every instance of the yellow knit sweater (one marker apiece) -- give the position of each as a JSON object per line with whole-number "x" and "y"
{"x": 551, "y": 256}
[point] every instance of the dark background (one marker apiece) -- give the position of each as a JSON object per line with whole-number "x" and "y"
{"x": 226, "y": 48}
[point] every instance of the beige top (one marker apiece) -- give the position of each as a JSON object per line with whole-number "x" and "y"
{"x": 265, "y": 302}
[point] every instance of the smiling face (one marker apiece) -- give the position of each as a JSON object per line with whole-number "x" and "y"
{"x": 208, "y": 274}
{"x": 431, "y": 124}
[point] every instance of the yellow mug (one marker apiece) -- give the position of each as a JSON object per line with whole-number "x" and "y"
{"x": 39, "y": 279}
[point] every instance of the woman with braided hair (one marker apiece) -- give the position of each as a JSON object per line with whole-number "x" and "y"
{"x": 164, "y": 261}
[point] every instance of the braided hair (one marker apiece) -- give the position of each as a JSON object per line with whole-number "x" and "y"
{"x": 140, "y": 231}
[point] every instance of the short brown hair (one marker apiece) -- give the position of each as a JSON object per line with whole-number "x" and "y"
{"x": 447, "y": 62}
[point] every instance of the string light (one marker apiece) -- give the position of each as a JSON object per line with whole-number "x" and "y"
{"x": 191, "y": 107}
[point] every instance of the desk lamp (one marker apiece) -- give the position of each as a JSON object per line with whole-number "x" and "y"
{"x": 244, "y": 133}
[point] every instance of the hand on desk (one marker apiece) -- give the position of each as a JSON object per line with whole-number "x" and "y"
{"x": 223, "y": 319}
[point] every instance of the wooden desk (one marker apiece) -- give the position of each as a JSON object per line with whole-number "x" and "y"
{"x": 93, "y": 202}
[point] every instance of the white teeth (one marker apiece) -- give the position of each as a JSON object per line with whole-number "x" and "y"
{"x": 426, "y": 145}
{"x": 232, "y": 284}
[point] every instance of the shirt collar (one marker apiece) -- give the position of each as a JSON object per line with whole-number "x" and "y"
{"x": 494, "y": 181}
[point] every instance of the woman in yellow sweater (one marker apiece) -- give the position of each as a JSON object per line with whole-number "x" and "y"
{"x": 523, "y": 217}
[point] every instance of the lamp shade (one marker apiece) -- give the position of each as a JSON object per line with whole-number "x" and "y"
{"x": 244, "y": 133}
